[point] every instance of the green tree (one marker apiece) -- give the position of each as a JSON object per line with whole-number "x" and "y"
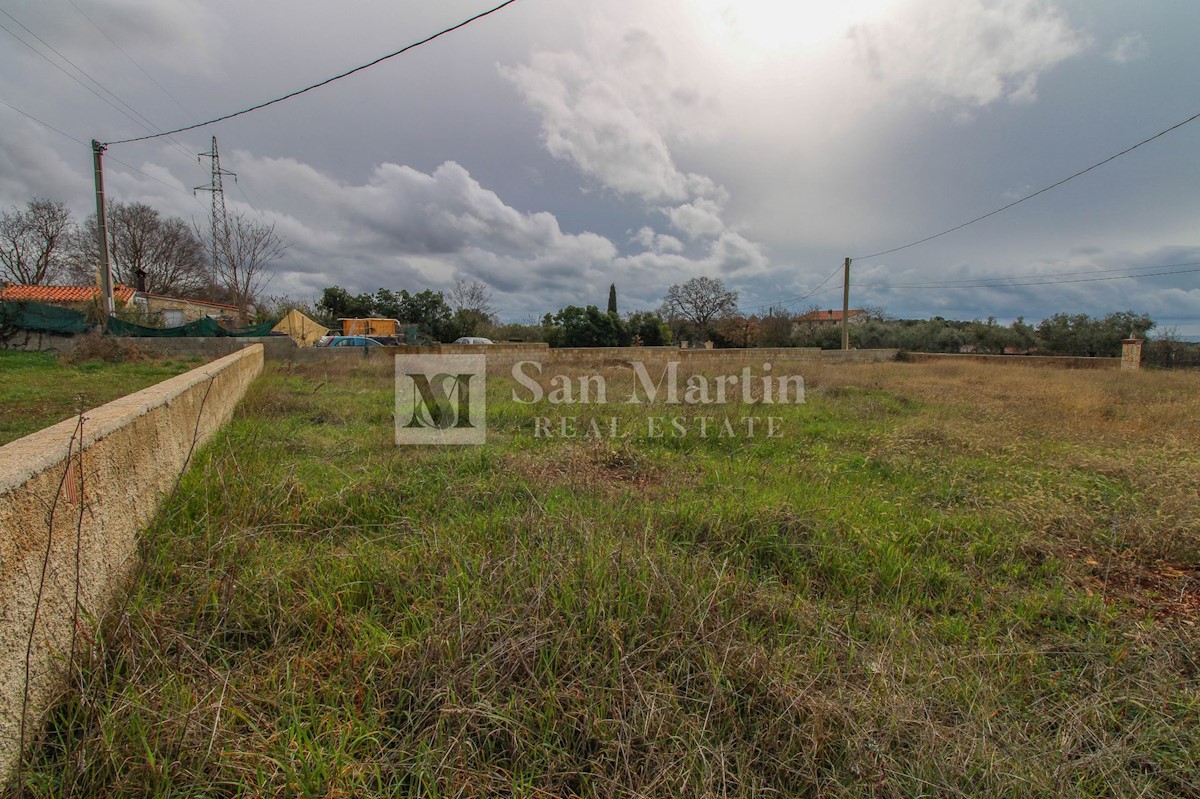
{"x": 612, "y": 299}
{"x": 337, "y": 303}
{"x": 585, "y": 327}
{"x": 428, "y": 310}
{"x": 1080, "y": 334}
{"x": 648, "y": 328}
{"x": 386, "y": 303}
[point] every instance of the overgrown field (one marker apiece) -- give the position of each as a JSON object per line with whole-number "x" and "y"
{"x": 938, "y": 580}
{"x": 38, "y": 389}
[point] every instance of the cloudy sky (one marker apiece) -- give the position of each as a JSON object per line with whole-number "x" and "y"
{"x": 558, "y": 146}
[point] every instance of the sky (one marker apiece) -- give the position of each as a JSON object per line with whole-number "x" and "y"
{"x": 558, "y": 146}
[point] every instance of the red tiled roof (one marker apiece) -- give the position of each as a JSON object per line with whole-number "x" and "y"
{"x": 828, "y": 316}
{"x": 52, "y": 294}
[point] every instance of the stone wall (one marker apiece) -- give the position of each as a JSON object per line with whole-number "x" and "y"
{"x": 1055, "y": 361}
{"x": 73, "y": 500}
{"x": 500, "y": 359}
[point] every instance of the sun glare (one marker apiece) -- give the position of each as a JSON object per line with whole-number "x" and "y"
{"x": 770, "y": 26}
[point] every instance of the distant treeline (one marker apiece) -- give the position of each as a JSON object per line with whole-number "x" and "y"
{"x": 1061, "y": 334}
{"x": 466, "y": 311}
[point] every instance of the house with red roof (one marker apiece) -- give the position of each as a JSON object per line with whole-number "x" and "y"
{"x": 74, "y": 297}
{"x": 832, "y": 317}
{"x": 167, "y": 311}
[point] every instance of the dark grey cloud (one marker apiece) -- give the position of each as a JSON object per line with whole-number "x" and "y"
{"x": 556, "y": 148}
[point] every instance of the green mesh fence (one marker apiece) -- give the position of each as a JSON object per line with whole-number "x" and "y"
{"x": 41, "y": 318}
{"x": 202, "y": 328}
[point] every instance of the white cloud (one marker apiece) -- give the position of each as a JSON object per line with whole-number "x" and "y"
{"x": 1130, "y": 47}
{"x": 617, "y": 111}
{"x": 657, "y": 242}
{"x": 970, "y": 51}
{"x": 612, "y": 112}
{"x": 29, "y": 167}
{"x": 699, "y": 219}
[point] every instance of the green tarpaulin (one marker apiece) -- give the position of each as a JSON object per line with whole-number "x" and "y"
{"x": 204, "y": 328}
{"x": 41, "y": 318}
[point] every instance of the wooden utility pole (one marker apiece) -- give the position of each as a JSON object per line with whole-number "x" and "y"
{"x": 846, "y": 307}
{"x": 106, "y": 284}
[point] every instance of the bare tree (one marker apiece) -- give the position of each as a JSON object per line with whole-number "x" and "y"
{"x": 699, "y": 301}
{"x": 877, "y": 313}
{"x": 738, "y": 330}
{"x": 470, "y": 296}
{"x": 775, "y": 329}
{"x": 164, "y": 250}
{"x": 243, "y": 257}
{"x": 32, "y": 242}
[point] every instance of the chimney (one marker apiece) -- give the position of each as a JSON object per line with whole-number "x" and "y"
{"x": 141, "y": 280}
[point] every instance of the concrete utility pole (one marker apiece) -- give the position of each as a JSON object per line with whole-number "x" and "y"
{"x": 105, "y": 269}
{"x": 846, "y": 307}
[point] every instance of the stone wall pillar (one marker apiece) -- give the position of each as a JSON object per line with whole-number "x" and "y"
{"x": 1131, "y": 354}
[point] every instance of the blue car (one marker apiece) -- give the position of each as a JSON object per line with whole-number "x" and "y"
{"x": 351, "y": 341}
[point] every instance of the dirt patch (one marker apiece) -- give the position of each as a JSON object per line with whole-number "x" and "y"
{"x": 1164, "y": 591}
{"x": 598, "y": 466}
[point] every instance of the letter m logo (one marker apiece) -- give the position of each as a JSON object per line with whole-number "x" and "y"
{"x": 440, "y": 399}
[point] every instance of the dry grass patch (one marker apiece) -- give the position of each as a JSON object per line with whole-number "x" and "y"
{"x": 917, "y": 591}
{"x": 596, "y": 466}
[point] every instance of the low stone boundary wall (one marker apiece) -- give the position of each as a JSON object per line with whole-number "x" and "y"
{"x": 501, "y": 359}
{"x": 274, "y": 347}
{"x": 1056, "y": 361}
{"x": 33, "y": 341}
{"x": 73, "y": 500}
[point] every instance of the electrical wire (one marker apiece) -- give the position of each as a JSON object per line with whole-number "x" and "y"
{"x": 985, "y": 282}
{"x": 84, "y": 144}
{"x": 145, "y": 122}
{"x": 1032, "y": 282}
{"x": 794, "y": 300}
{"x": 43, "y": 124}
{"x": 77, "y": 141}
{"x": 1096, "y": 165}
{"x": 325, "y": 82}
{"x": 142, "y": 69}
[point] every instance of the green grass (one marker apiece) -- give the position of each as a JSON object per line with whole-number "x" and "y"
{"x": 938, "y": 581}
{"x": 38, "y": 389}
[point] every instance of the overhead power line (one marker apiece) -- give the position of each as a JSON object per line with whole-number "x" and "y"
{"x": 984, "y": 282}
{"x": 794, "y": 300}
{"x": 1096, "y": 165}
{"x": 325, "y": 82}
{"x": 142, "y": 69}
{"x": 131, "y": 114}
{"x": 81, "y": 142}
{"x": 1015, "y": 283}
{"x": 1045, "y": 279}
{"x": 40, "y": 122}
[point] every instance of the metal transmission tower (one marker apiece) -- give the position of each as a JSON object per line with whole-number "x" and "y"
{"x": 221, "y": 242}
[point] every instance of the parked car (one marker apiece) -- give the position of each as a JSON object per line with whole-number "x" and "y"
{"x": 472, "y": 340}
{"x": 349, "y": 341}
